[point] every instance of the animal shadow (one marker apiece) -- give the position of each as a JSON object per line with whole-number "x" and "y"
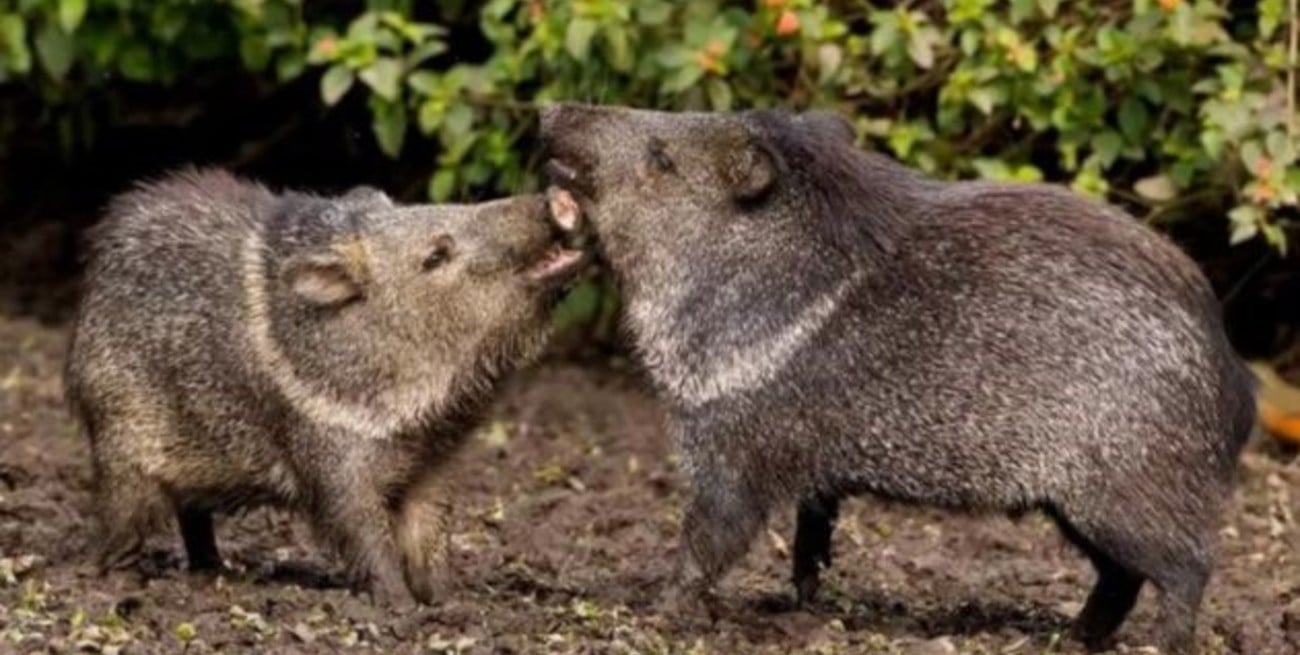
{"x": 888, "y": 613}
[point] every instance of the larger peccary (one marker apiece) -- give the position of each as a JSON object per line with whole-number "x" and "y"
{"x": 236, "y": 348}
{"x": 824, "y": 322}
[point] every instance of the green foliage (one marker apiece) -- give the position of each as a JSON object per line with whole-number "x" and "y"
{"x": 1166, "y": 105}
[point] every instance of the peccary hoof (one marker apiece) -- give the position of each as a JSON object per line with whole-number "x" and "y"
{"x": 688, "y": 606}
{"x": 806, "y": 588}
{"x": 395, "y": 597}
{"x": 1092, "y": 643}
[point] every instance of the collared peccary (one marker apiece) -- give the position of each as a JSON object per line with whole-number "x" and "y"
{"x": 236, "y": 347}
{"x": 824, "y": 322}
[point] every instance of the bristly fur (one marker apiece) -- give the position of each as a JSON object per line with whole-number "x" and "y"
{"x": 823, "y": 322}
{"x": 837, "y": 182}
{"x": 207, "y": 382}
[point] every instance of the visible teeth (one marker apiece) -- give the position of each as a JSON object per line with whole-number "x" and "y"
{"x": 555, "y": 260}
{"x": 564, "y": 208}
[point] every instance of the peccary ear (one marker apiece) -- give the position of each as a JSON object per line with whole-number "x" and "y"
{"x": 751, "y": 171}
{"x": 368, "y": 195}
{"x": 325, "y": 279}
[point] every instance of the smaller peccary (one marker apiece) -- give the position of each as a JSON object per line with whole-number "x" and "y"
{"x": 237, "y": 348}
{"x": 824, "y": 322}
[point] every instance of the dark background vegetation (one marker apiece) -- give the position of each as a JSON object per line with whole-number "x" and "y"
{"x": 1182, "y": 111}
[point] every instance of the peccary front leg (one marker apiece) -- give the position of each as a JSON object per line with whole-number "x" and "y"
{"x": 351, "y": 511}
{"x": 812, "y": 542}
{"x": 200, "y": 540}
{"x": 722, "y": 518}
{"x": 359, "y": 526}
{"x": 422, "y": 531}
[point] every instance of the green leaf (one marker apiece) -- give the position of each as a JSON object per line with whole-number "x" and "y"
{"x": 13, "y": 41}
{"x": 389, "y": 125}
{"x": 1245, "y": 220}
{"x": 425, "y": 51}
{"x": 720, "y": 97}
{"x": 442, "y": 185}
{"x": 71, "y": 12}
{"x": 290, "y": 66}
{"x": 577, "y": 38}
{"x": 384, "y": 77}
{"x": 167, "y": 22}
{"x": 1275, "y": 236}
{"x": 921, "y": 48}
{"x": 654, "y": 12}
{"x": 1156, "y": 187}
{"x": 681, "y": 79}
{"x": 621, "y": 58}
{"x": 884, "y": 36}
{"x": 254, "y": 51}
{"x": 1021, "y": 10}
{"x": 1251, "y": 153}
{"x": 984, "y": 99}
{"x": 1106, "y": 147}
{"x": 829, "y": 59}
{"x": 459, "y": 120}
{"x": 136, "y": 63}
{"x": 55, "y": 50}
{"x": 579, "y": 307}
{"x": 1280, "y": 146}
{"x": 334, "y": 84}
{"x": 1242, "y": 232}
{"x": 424, "y": 82}
{"x": 1133, "y": 120}
{"x": 431, "y": 115}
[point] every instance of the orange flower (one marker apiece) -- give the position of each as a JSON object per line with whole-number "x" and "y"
{"x": 707, "y": 62}
{"x": 1168, "y": 5}
{"x": 536, "y": 11}
{"x": 1261, "y": 193}
{"x": 1263, "y": 166}
{"x": 327, "y": 45}
{"x": 787, "y": 24}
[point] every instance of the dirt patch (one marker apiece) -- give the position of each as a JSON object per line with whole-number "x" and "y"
{"x": 567, "y": 513}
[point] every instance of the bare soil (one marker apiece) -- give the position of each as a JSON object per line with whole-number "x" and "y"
{"x": 568, "y": 509}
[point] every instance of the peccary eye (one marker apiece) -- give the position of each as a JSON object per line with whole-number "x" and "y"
{"x": 440, "y": 255}
{"x": 658, "y": 158}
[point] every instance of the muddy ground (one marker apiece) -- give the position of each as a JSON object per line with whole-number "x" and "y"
{"x": 567, "y": 510}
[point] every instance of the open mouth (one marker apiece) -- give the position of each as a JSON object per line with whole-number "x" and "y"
{"x": 557, "y": 265}
{"x": 561, "y": 263}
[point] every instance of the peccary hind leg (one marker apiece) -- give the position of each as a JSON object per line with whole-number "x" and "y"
{"x": 200, "y": 541}
{"x": 1170, "y": 552}
{"x": 812, "y": 543}
{"x": 129, "y": 506}
{"x": 1181, "y": 587}
{"x": 1112, "y": 597}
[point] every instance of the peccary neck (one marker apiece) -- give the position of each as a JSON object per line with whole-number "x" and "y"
{"x": 710, "y": 325}
{"x": 700, "y": 349}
